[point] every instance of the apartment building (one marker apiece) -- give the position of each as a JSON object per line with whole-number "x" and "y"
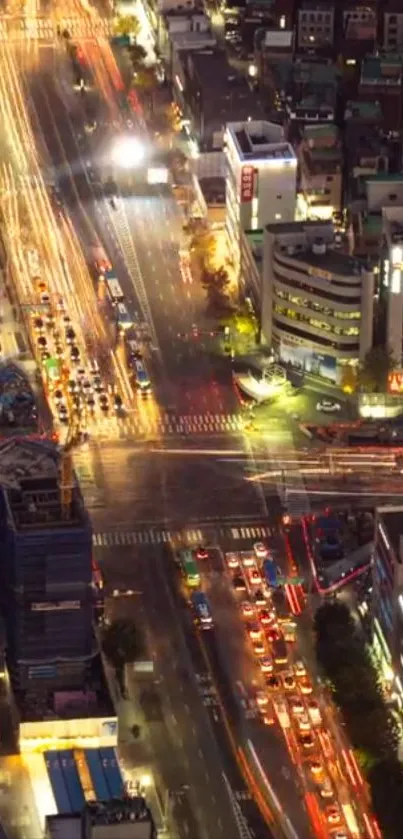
{"x": 320, "y": 165}
{"x": 315, "y": 25}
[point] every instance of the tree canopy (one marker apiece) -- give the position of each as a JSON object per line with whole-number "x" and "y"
{"x": 371, "y": 726}
{"x": 374, "y": 371}
{"x": 122, "y": 642}
{"x": 126, "y": 25}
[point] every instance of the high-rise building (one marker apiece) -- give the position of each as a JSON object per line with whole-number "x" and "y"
{"x": 47, "y": 596}
{"x": 387, "y": 596}
{"x": 392, "y": 278}
{"x": 316, "y": 301}
{"x": 260, "y": 179}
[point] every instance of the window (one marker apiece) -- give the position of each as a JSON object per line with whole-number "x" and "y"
{"x": 329, "y": 179}
{"x": 392, "y": 19}
{"x": 279, "y": 196}
{"x": 392, "y": 196}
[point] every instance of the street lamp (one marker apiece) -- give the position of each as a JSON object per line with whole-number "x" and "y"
{"x": 128, "y": 152}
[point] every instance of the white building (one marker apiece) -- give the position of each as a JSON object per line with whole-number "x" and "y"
{"x": 316, "y": 302}
{"x": 261, "y": 178}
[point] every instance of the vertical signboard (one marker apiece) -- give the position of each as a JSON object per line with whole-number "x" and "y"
{"x": 247, "y": 184}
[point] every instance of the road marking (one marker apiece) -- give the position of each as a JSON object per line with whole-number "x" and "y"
{"x": 190, "y": 537}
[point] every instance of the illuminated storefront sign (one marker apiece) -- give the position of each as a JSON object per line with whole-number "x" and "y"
{"x": 395, "y": 382}
{"x": 247, "y": 184}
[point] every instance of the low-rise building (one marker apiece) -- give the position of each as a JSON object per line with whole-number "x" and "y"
{"x": 320, "y": 165}
{"x": 261, "y": 178}
{"x": 126, "y": 818}
{"x": 392, "y": 25}
{"x": 317, "y": 303}
{"x": 212, "y": 93}
{"x": 381, "y": 80}
{"x": 180, "y": 31}
{"x": 358, "y": 31}
{"x": 313, "y": 91}
{"x": 315, "y": 25}
{"x": 387, "y": 597}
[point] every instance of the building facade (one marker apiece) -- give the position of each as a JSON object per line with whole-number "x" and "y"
{"x": 260, "y": 178}
{"x": 320, "y": 165}
{"x": 315, "y": 25}
{"x": 391, "y": 272}
{"x": 46, "y": 571}
{"x": 387, "y": 596}
{"x": 317, "y": 303}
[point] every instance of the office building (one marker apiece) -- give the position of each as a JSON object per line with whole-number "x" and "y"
{"x": 391, "y": 273}
{"x": 46, "y": 595}
{"x": 317, "y": 302}
{"x": 261, "y": 178}
{"x": 315, "y": 25}
{"x": 392, "y": 13}
{"x": 387, "y": 596}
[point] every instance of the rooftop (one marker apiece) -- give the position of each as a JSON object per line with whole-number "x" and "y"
{"x": 260, "y": 140}
{"x": 29, "y": 476}
{"x": 331, "y": 261}
{"x": 358, "y": 109}
{"x": 321, "y": 133}
{"x": 131, "y": 815}
{"x": 382, "y": 70}
{"x": 391, "y": 520}
{"x": 92, "y": 702}
{"x": 317, "y": 72}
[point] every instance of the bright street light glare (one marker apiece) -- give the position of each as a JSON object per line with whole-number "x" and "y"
{"x": 128, "y": 152}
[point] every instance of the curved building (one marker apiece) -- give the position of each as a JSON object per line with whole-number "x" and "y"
{"x": 317, "y": 302}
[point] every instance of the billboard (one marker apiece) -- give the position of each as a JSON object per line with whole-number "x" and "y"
{"x": 68, "y": 733}
{"x": 247, "y": 184}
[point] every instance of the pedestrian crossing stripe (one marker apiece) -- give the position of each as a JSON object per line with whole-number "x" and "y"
{"x": 187, "y": 537}
{"x": 185, "y": 424}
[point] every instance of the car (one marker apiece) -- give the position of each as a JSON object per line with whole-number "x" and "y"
{"x": 305, "y": 686}
{"x": 247, "y": 609}
{"x": 289, "y": 633}
{"x": 272, "y": 634}
{"x": 339, "y": 835}
{"x": 76, "y": 400}
{"x": 282, "y": 713}
{"x": 303, "y": 723}
{"x": 328, "y": 406}
{"x": 333, "y": 815}
{"x": 72, "y": 385}
{"x": 296, "y": 706}
{"x": 118, "y": 406}
{"x": 201, "y": 552}
{"x": 66, "y": 320}
{"x": 266, "y": 664}
{"x": 42, "y": 342}
{"x": 299, "y": 669}
{"x": 45, "y": 354}
{"x": 273, "y": 683}
{"x": 288, "y": 681}
{"x": 260, "y": 550}
{"x": 268, "y": 717}
{"x": 38, "y": 324}
{"x": 258, "y": 647}
{"x": 81, "y": 373}
{"x": 248, "y": 560}
{"x": 232, "y": 560}
{"x": 104, "y": 404}
{"x": 45, "y": 299}
{"x": 75, "y": 354}
{"x": 266, "y": 617}
{"x": 254, "y": 577}
{"x": 306, "y": 740}
{"x": 314, "y": 712}
{"x": 316, "y": 769}
{"x": 59, "y": 351}
{"x": 58, "y": 395}
{"x": 94, "y": 368}
{"x": 326, "y": 789}
{"x": 261, "y": 699}
{"x": 260, "y": 597}
{"x": 90, "y": 401}
{"x": 238, "y": 582}
{"x": 50, "y": 320}
{"x": 254, "y": 631}
{"x": 70, "y": 335}
{"x": 86, "y": 387}
{"x": 98, "y": 386}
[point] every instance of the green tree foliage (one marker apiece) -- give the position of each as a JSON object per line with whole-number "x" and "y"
{"x": 377, "y": 364}
{"x": 137, "y": 55}
{"x": 216, "y": 285}
{"x": 126, "y": 25}
{"x": 371, "y": 726}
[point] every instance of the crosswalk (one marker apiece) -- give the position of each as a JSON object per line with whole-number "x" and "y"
{"x": 191, "y": 536}
{"x": 39, "y": 28}
{"x": 184, "y": 424}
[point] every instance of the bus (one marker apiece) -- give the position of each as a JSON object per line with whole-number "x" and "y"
{"x": 270, "y": 573}
{"x": 189, "y": 569}
{"x": 202, "y": 609}
{"x": 124, "y": 320}
{"x": 113, "y": 288}
{"x": 142, "y": 377}
{"x": 133, "y": 351}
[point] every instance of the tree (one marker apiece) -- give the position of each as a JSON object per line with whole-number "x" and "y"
{"x": 122, "y": 643}
{"x": 145, "y": 78}
{"x": 137, "y": 55}
{"x": 204, "y": 246}
{"x": 126, "y": 25}
{"x": 243, "y": 322}
{"x": 377, "y": 364}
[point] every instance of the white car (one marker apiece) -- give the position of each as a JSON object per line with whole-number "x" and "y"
{"x": 314, "y": 712}
{"x": 248, "y": 560}
{"x": 260, "y": 550}
{"x": 232, "y": 560}
{"x": 328, "y": 406}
